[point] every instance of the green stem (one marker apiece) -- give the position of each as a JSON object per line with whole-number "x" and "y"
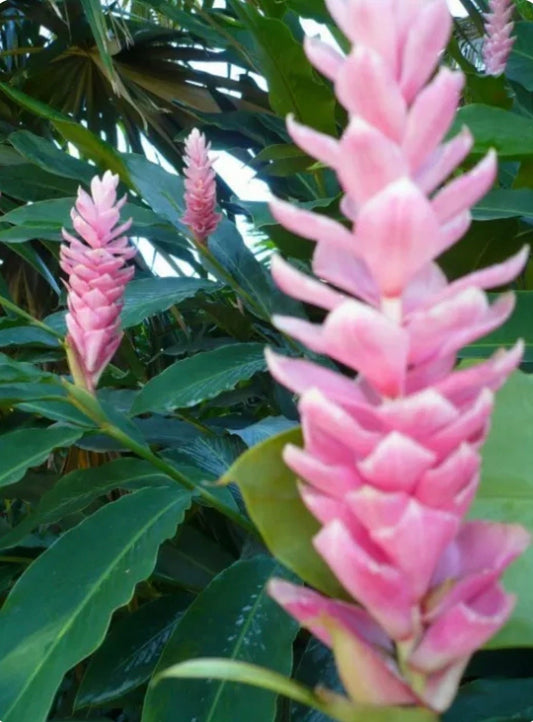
{"x": 88, "y": 404}
{"x": 6, "y": 303}
{"x": 178, "y": 477}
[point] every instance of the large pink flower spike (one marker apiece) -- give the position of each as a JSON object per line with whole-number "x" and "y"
{"x": 391, "y": 462}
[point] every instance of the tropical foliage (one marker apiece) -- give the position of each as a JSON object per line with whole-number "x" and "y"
{"x": 121, "y": 553}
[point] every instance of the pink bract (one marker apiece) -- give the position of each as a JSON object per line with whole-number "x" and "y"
{"x": 96, "y": 266}
{"x": 391, "y": 463}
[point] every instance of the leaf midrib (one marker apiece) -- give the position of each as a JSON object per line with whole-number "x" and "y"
{"x": 236, "y": 650}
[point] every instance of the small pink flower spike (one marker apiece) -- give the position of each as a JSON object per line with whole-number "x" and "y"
{"x": 97, "y": 278}
{"x": 498, "y": 41}
{"x": 200, "y": 188}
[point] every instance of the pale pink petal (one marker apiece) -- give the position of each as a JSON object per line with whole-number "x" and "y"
{"x": 377, "y": 585}
{"x": 463, "y": 192}
{"x": 312, "y": 226}
{"x": 333, "y": 479}
{"x": 318, "y": 145}
{"x": 309, "y": 608}
{"x": 396, "y": 463}
{"x": 412, "y": 536}
{"x": 384, "y": 108}
{"x": 398, "y": 225}
{"x": 298, "y": 285}
{"x": 343, "y": 269}
{"x": 462, "y": 629}
{"x": 430, "y": 116}
{"x": 368, "y": 161}
{"x": 443, "y": 161}
{"x": 325, "y": 58}
{"x": 428, "y": 35}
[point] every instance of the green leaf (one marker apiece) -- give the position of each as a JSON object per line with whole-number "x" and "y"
{"x": 45, "y": 219}
{"x": 293, "y": 85}
{"x": 87, "y": 143}
{"x": 192, "y": 560}
{"x": 28, "y": 183}
{"x": 520, "y": 62}
{"x": 77, "y": 490}
{"x": 504, "y": 203}
{"x": 233, "y": 617}
{"x": 130, "y": 651}
{"x": 485, "y": 699}
{"x": 49, "y": 157}
{"x": 149, "y": 296}
{"x": 510, "y": 134}
{"x": 95, "y": 15}
{"x": 23, "y": 448}
{"x": 210, "y": 453}
{"x": 506, "y": 495}
{"x": 274, "y": 504}
{"x": 252, "y": 279}
{"x": 316, "y": 667}
{"x": 59, "y": 610}
{"x": 337, "y": 708}
{"x": 201, "y": 377}
{"x": 163, "y": 191}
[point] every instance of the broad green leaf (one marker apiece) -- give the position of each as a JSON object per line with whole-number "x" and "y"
{"x": 13, "y": 370}
{"x": 201, "y": 377}
{"x": 486, "y": 699}
{"x": 192, "y": 560}
{"x": 510, "y": 134}
{"x": 56, "y": 409}
{"x": 271, "y": 495}
{"x": 146, "y": 297}
{"x": 94, "y": 13}
{"x": 335, "y": 707}
{"x": 235, "y": 618}
{"x": 163, "y": 191}
{"x": 49, "y": 157}
{"x": 23, "y": 448}
{"x": 45, "y": 219}
{"x": 87, "y": 143}
{"x": 264, "y": 429}
{"x": 504, "y": 203}
{"x": 130, "y": 651}
{"x": 520, "y": 62}
{"x": 316, "y": 667}
{"x": 29, "y": 183}
{"x": 59, "y": 610}
{"x": 293, "y": 85}
{"x": 77, "y": 490}
{"x": 211, "y": 453}
{"x": 149, "y": 296}
{"x": 251, "y": 280}
{"x": 506, "y": 495}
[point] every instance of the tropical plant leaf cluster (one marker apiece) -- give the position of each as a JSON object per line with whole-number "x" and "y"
{"x": 131, "y": 524}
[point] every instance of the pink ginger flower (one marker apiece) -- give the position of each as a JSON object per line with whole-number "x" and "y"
{"x": 97, "y": 278}
{"x": 200, "y": 187}
{"x": 391, "y": 461}
{"x": 498, "y": 42}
